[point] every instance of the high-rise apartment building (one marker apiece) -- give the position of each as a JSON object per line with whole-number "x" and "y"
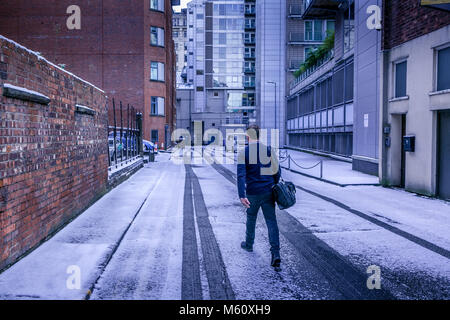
{"x": 123, "y": 47}
{"x": 180, "y": 39}
{"x": 222, "y": 63}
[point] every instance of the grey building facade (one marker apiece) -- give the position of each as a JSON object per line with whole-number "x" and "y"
{"x": 366, "y": 126}
{"x": 321, "y": 100}
{"x": 221, "y": 63}
{"x": 179, "y": 35}
{"x": 271, "y": 66}
{"x": 333, "y": 107}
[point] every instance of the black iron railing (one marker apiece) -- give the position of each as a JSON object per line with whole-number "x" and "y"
{"x": 124, "y": 142}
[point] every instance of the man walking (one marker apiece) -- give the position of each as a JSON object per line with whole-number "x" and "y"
{"x": 257, "y": 172}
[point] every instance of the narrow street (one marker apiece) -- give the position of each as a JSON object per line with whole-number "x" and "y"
{"x": 173, "y": 231}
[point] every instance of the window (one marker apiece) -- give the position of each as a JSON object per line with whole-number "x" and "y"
{"x": 157, "y": 5}
{"x": 249, "y": 53}
{"x": 249, "y": 38}
{"x": 400, "y": 79}
{"x": 175, "y": 34}
{"x": 249, "y": 23}
{"x": 330, "y": 27}
{"x": 199, "y": 89}
{"x": 158, "y": 106}
{"x": 313, "y": 30}
{"x": 249, "y": 81}
{"x": 154, "y": 136}
{"x": 250, "y": 9}
{"x": 216, "y": 94}
{"x": 349, "y": 28}
{"x": 443, "y": 69}
{"x": 157, "y": 71}
{"x": 157, "y": 36}
{"x": 199, "y": 72}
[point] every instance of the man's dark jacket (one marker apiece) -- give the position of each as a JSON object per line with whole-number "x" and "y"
{"x": 249, "y": 177}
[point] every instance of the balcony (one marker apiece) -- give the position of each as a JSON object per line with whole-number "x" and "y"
{"x": 319, "y": 64}
{"x": 250, "y": 24}
{"x": 320, "y": 9}
{"x": 295, "y": 11}
{"x": 296, "y": 38}
{"x": 249, "y": 41}
{"x": 250, "y": 10}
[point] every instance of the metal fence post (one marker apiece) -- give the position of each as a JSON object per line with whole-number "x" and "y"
{"x": 107, "y": 136}
{"x": 139, "y": 132}
{"x": 128, "y": 132}
{"x": 121, "y": 133}
{"x": 115, "y": 134}
{"x": 321, "y": 169}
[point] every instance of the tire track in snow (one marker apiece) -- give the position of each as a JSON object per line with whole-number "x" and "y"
{"x": 219, "y": 283}
{"x": 191, "y": 287}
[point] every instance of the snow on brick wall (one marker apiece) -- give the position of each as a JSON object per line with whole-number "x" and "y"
{"x": 53, "y": 161}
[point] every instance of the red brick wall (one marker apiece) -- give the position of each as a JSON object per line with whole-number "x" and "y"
{"x": 53, "y": 161}
{"x": 406, "y": 20}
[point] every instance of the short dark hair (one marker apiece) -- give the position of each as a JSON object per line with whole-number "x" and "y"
{"x": 252, "y": 130}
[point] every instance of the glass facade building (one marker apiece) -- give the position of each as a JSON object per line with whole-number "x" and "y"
{"x": 221, "y": 61}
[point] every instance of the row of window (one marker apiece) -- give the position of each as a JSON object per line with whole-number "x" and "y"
{"x": 157, "y": 38}
{"x": 442, "y": 74}
{"x": 228, "y": 9}
{"x": 330, "y": 92}
{"x": 234, "y": 81}
{"x": 336, "y": 117}
{"x": 176, "y": 34}
{"x": 233, "y": 23}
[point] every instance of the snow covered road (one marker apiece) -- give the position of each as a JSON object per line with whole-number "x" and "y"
{"x": 173, "y": 231}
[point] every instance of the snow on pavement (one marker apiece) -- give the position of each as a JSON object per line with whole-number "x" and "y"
{"x": 147, "y": 263}
{"x": 86, "y": 243}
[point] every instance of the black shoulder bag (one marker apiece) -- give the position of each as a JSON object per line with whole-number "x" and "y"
{"x": 284, "y": 194}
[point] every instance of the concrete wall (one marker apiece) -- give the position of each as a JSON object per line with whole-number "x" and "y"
{"x": 366, "y": 89}
{"x": 53, "y": 160}
{"x": 420, "y": 108}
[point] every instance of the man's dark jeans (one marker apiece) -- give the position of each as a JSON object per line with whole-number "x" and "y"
{"x": 267, "y": 203}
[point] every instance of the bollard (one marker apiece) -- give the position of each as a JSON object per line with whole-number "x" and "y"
{"x": 289, "y": 162}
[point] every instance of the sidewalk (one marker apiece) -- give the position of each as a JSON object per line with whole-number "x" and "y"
{"x": 87, "y": 243}
{"x": 333, "y": 171}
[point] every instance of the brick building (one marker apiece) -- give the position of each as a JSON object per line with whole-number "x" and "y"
{"x": 415, "y": 97}
{"x": 123, "y": 47}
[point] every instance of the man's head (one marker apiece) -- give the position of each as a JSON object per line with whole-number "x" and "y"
{"x": 253, "y": 132}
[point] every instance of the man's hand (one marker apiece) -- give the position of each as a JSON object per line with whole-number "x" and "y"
{"x": 245, "y": 202}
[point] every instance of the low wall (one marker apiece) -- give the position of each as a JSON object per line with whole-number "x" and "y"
{"x": 53, "y": 148}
